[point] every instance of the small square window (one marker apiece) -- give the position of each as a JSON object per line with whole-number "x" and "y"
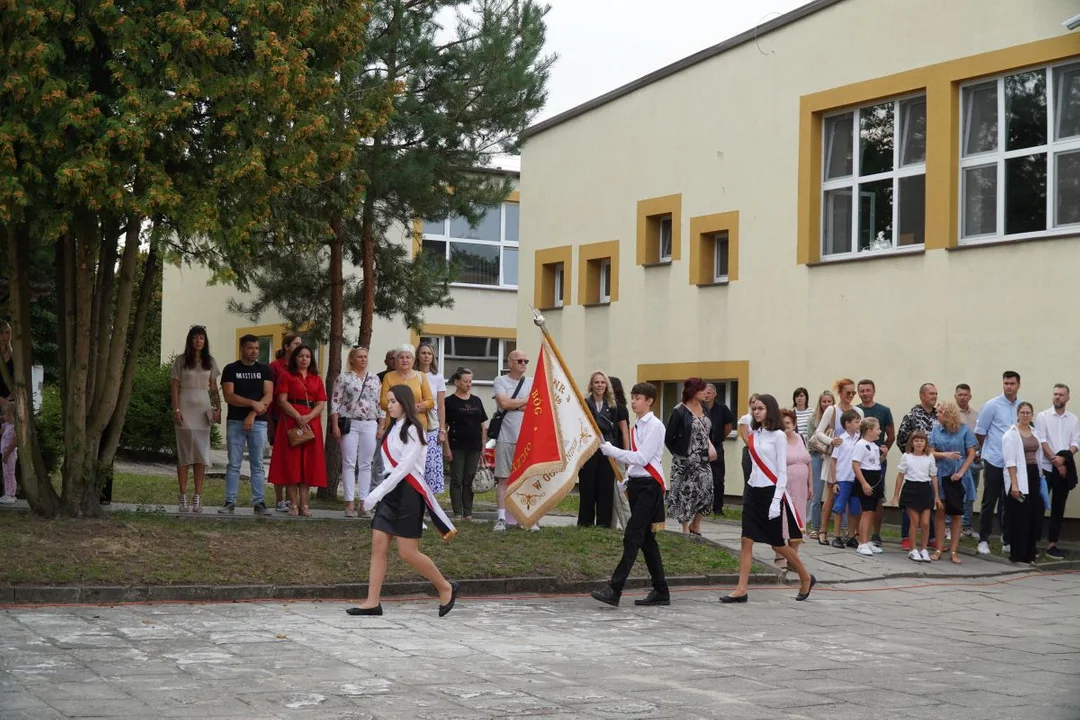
{"x": 659, "y": 230}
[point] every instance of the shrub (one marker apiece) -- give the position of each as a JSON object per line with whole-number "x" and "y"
{"x": 50, "y": 428}
{"x": 148, "y": 426}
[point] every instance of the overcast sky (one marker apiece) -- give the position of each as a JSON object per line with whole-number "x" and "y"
{"x": 603, "y": 44}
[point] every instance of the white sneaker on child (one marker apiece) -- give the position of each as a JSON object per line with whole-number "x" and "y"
{"x": 877, "y": 550}
{"x": 864, "y": 549}
{"x": 924, "y": 555}
{"x": 914, "y": 555}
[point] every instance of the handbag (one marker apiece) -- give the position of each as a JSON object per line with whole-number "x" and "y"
{"x": 713, "y": 455}
{"x": 495, "y": 423}
{"x": 816, "y": 445}
{"x": 301, "y": 434}
{"x": 484, "y": 479}
{"x": 344, "y": 424}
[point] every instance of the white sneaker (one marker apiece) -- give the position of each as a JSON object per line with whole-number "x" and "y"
{"x": 500, "y": 525}
{"x": 877, "y": 550}
{"x": 535, "y": 528}
{"x": 865, "y": 549}
{"x": 968, "y": 533}
{"x": 914, "y": 555}
{"x": 984, "y": 548}
{"x": 924, "y": 555}
{"x": 1006, "y": 548}
{"x": 948, "y": 534}
{"x": 7, "y": 500}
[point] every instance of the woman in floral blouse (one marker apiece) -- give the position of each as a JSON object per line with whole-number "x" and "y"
{"x": 356, "y": 400}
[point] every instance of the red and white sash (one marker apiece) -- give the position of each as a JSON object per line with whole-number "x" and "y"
{"x": 438, "y": 515}
{"x": 786, "y": 499}
{"x": 650, "y": 468}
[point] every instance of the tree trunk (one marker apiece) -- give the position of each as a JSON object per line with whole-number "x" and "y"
{"x": 367, "y": 262}
{"x": 332, "y": 450}
{"x": 37, "y": 487}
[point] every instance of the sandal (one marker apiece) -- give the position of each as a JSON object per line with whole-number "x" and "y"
{"x": 823, "y": 538}
{"x": 936, "y": 555}
{"x": 956, "y": 558}
{"x": 293, "y": 511}
{"x": 305, "y": 511}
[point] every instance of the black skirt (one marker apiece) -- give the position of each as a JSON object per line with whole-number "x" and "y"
{"x": 756, "y": 524}
{"x": 917, "y": 496}
{"x": 401, "y": 512}
{"x": 952, "y": 494}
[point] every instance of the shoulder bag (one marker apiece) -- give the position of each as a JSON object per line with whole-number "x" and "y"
{"x": 300, "y": 435}
{"x": 815, "y": 444}
{"x": 484, "y": 479}
{"x": 495, "y": 423}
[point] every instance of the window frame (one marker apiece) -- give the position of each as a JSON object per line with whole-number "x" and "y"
{"x": 503, "y": 244}
{"x": 721, "y": 237}
{"x": 997, "y": 158}
{"x": 855, "y": 179}
{"x": 605, "y": 281}
{"x": 667, "y": 221}
{"x": 501, "y": 356}
{"x": 559, "y": 286}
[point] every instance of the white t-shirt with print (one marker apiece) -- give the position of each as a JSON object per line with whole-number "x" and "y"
{"x": 868, "y": 455}
{"x": 918, "y": 468}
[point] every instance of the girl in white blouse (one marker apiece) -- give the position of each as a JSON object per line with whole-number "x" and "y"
{"x": 402, "y": 497}
{"x": 765, "y": 499}
{"x": 918, "y": 477}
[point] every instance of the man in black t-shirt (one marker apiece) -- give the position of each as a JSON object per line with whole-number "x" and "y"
{"x": 249, "y": 389}
{"x": 722, "y": 421}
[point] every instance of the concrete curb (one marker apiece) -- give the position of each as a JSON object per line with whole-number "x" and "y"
{"x": 478, "y": 587}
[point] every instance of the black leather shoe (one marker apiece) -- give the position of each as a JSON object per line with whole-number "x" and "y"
{"x": 802, "y": 596}
{"x": 607, "y": 596}
{"x": 728, "y": 599}
{"x": 853, "y": 542}
{"x": 377, "y": 610}
{"x": 654, "y": 598}
{"x": 443, "y": 609}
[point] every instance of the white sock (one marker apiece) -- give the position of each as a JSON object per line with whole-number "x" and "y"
{"x": 502, "y": 515}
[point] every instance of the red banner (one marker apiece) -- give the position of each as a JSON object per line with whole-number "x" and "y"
{"x": 539, "y": 446}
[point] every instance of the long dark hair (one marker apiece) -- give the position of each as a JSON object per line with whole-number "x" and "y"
{"x": 617, "y": 388}
{"x": 404, "y": 395}
{"x": 312, "y": 368}
{"x": 189, "y": 348}
{"x": 772, "y": 414}
{"x": 286, "y": 341}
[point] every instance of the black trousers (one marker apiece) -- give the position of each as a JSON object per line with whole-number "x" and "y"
{"x": 993, "y": 503}
{"x": 746, "y": 464}
{"x": 718, "y": 471}
{"x": 646, "y": 507}
{"x": 1059, "y": 495}
{"x": 1025, "y": 521}
{"x": 596, "y": 488}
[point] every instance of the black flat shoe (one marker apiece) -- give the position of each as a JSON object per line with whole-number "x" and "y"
{"x": 377, "y": 610}
{"x": 728, "y": 599}
{"x": 653, "y": 598}
{"x": 802, "y": 596}
{"x": 443, "y": 609}
{"x": 606, "y": 596}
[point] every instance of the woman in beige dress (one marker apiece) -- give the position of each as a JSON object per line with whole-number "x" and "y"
{"x": 194, "y": 408}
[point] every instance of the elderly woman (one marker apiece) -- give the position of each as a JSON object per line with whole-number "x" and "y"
{"x": 405, "y": 374}
{"x": 354, "y": 421}
{"x": 952, "y": 444}
{"x": 196, "y": 405}
{"x": 687, "y": 439}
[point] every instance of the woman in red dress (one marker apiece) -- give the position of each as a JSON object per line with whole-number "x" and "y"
{"x": 301, "y": 399}
{"x": 279, "y": 367}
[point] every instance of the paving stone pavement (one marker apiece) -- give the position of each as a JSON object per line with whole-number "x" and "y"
{"x": 1003, "y": 648}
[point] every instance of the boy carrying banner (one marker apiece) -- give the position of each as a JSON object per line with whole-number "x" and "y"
{"x": 645, "y": 487}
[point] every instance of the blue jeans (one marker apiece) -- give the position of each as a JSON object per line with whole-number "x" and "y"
{"x": 971, "y": 489}
{"x": 235, "y": 437}
{"x": 819, "y": 490}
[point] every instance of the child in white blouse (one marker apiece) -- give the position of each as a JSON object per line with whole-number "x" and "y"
{"x": 918, "y": 477}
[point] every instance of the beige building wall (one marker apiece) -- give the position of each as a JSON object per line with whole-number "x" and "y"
{"x": 725, "y": 134}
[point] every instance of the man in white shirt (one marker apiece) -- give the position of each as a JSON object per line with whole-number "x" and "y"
{"x": 511, "y": 395}
{"x": 1061, "y": 431}
{"x": 645, "y": 486}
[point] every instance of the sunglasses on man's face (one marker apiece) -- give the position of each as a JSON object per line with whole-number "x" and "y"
{"x": 523, "y": 361}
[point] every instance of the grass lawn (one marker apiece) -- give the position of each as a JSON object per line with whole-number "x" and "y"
{"x": 162, "y": 490}
{"x": 137, "y": 549}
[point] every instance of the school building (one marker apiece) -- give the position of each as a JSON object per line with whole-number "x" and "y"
{"x": 888, "y": 190}
{"x": 478, "y": 332}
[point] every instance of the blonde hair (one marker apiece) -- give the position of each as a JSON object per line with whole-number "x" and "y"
{"x": 609, "y": 394}
{"x": 867, "y": 425}
{"x": 950, "y": 415}
{"x": 354, "y": 351}
{"x": 819, "y": 411}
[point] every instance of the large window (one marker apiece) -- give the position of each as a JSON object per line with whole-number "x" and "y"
{"x": 874, "y": 177}
{"x": 485, "y": 255}
{"x": 1020, "y": 154}
{"x": 486, "y": 357}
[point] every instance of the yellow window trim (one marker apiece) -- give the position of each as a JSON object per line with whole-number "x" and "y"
{"x": 589, "y": 257}
{"x": 703, "y": 229}
{"x": 649, "y": 212}
{"x": 941, "y": 82}
{"x": 722, "y": 370}
{"x": 544, "y": 280}
{"x": 445, "y": 330}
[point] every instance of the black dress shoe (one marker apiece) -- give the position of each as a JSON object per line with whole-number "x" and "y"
{"x": 607, "y": 596}
{"x": 727, "y": 599}
{"x": 853, "y": 542}
{"x": 377, "y": 610}
{"x": 653, "y": 598}
{"x": 443, "y": 609}
{"x": 803, "y": 595}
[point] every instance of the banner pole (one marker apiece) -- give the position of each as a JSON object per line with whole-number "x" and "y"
{"x": 541, "y": 323}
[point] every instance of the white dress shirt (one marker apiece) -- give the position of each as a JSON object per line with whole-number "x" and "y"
{"x": 647, "y": 460}
{"x": 410, "y": 456}
{"x": 771, "y": 448}
{"x": 1060, "y": 432}
{"x": 1012, "y": 450}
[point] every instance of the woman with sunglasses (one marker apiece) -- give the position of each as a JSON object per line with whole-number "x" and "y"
{"x": 828, "y": 432}
{"x": 196, "y": 405}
